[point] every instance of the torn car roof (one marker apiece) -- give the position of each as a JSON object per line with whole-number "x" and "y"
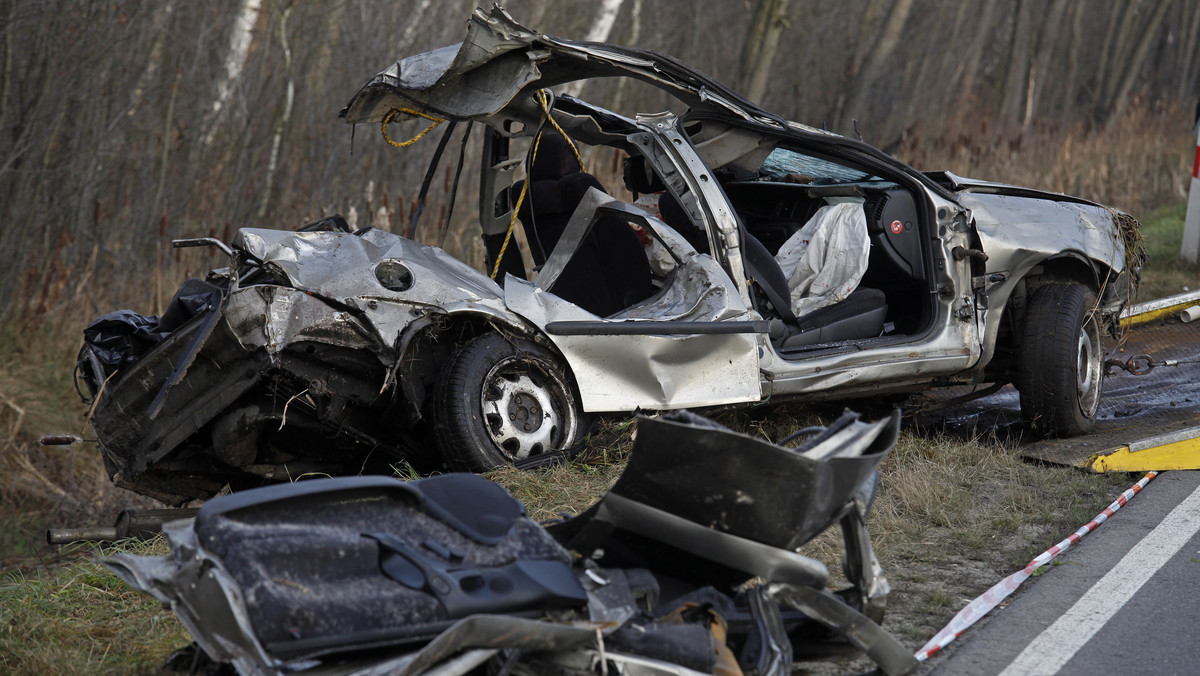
{"x": 481, "y": 75}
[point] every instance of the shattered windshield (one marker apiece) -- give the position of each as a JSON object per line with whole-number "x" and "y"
{"x": 788, "y": 165}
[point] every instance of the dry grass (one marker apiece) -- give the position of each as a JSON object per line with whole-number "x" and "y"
{"x": 567, "y": 490}
{"x": 47, "y": 486}
{"x": 950, "y": 518}
{"x": 952, "y": 514}
{"x": 1136, "y": 162}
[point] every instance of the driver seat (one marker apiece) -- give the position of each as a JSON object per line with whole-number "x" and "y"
{"x": 860, "y": 315}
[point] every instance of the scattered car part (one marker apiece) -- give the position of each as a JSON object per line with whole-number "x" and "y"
{"x": 140, "y": 524}
{"x": 373, "y": 575}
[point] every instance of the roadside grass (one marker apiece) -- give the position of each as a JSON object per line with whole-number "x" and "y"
{"x": 81, "y": 619}
{"x": 951, "y": 517}
{"x": 1166, "y": 273}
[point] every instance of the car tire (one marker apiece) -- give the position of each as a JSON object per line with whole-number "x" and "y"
{"x": 501, "y": 399}
{"x": 1060, "y": 362}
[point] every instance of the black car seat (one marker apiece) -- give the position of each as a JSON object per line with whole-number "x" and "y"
{"x": 609, "y": 271}
{"x": 673, "y": 215}
{"x": 859, "y": 315}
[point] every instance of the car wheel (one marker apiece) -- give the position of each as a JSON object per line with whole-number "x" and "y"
{"x": 1060, "y": 374}
{"x": 503, "y": 399}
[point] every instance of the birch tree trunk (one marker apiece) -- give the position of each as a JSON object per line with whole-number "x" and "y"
{"x": 635, "y": 34}
{"x": 758, "y": 51}
{"x": 1016, "y": 76}
{"x": 157, "y": 24}
{"x": 415, "y": 20}
{"x": 1042, "y": 53}
{"x": 285, "y": 114}
{"x": 235, "y": 61}
{"x": 601, "y": 28}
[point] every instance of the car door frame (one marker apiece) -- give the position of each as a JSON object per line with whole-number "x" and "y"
{"x": 950, "y": 345}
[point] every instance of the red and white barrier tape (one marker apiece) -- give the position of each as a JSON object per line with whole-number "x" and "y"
{"x": 1000, "y": 591}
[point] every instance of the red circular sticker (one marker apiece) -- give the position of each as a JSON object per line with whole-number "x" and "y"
{"x": 897, "y": 227}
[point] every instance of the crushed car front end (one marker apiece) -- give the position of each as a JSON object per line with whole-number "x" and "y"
{"x": 314, "y": 352}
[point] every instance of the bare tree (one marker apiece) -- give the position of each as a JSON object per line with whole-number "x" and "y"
{"x": 601, "y": 27}
{"x": 1018, "y": 74}
{"x": 235, "y": 60}
{"x": 285, "y": 111}
{"x": 758, "y": 51}
{"x": 873, "y": 66}
{"x": 1132, "y": 67}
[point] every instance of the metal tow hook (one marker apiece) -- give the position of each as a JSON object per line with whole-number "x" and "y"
{"x": 1137, "y": 365}
{"x": 1141, "y": 364}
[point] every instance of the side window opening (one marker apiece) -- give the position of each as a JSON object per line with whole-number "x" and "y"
{"x": 607, "y": 268}
{"x": 779, "y": 202}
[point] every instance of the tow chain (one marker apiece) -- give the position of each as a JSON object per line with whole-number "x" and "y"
{"x": 1142, "y": 364}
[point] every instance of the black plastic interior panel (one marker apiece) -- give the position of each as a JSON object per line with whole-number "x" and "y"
{"x": 894, "y": 229}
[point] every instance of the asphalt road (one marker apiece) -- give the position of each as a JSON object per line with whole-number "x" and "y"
{"x": 1124, "y": 600}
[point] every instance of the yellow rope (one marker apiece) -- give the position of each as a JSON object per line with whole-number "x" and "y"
{"x": 387, "y": 119}
{"x": 512, "y": 221}
{"x": 542, "y": 99}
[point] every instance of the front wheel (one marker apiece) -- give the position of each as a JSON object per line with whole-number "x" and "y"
{"x": 502, "y": 399}
{"x": 1060, "y": 374}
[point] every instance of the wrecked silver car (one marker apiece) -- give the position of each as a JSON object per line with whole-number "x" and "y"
{"x": 370, "y": 575}
{"x": 753, "y": 259}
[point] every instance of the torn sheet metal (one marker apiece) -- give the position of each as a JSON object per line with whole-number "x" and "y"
{"x": 622, "y": 372}
{"x": 657, "y": 372}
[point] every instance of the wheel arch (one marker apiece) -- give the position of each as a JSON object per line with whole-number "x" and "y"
{"x": 428, "y": 342}
{"x": 1003, "y": 326}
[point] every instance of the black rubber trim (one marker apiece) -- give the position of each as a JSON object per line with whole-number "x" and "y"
{"x": 653, "y": 328}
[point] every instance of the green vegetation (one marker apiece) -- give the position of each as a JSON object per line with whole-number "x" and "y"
{"x": 1166, "y": 273}
{"x": 80, "y": 619}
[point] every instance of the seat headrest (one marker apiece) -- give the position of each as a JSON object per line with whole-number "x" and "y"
{"x": 639, "y": 178}
{"x": 554, "y": 158}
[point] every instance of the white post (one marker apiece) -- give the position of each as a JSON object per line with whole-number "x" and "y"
{"x": 1191, "y": 224}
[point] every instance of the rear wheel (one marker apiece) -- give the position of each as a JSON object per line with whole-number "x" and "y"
{"x": 502, "y": 399}
{"x": 1060, "y": 373}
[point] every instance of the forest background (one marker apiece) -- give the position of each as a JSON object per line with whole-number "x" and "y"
{"x": 126, "y": 124}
